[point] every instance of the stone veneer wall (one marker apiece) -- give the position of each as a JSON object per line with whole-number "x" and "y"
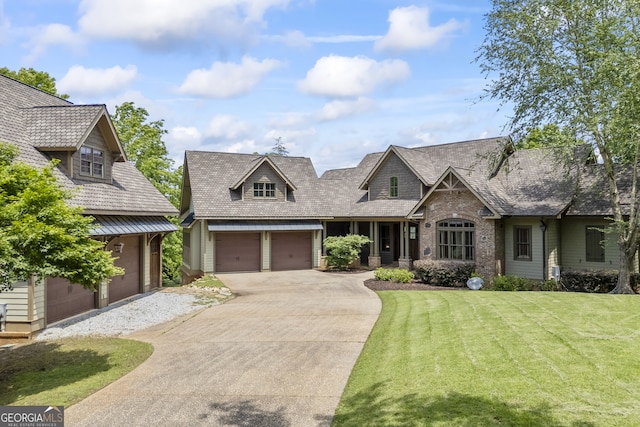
{"x": 462, "y": 204}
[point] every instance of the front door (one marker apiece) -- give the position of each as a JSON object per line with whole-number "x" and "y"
{"x": 386, "y": 244}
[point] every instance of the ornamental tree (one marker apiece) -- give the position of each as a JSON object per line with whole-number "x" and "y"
{"x": 40, "y": 234}
{"x": 342, "y": 251}
{"x": 575, "y": 63}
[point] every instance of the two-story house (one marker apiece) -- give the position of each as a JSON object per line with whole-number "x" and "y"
{"x": 129, "y": 212}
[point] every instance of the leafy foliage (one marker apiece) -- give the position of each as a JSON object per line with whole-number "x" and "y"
{"x": 550, "y": 135}
{"x": 342, "y": 251}
{"x": 575, "y": 64}
{"x": 40, "y": 234}
{"x": 279, "y": 148}
{"x": 400, "y": 275}
{"x": 444, "y": 273}
{"x": 594, "y": 281}
{"x": 144, "y": 147}
{"x": 38, "y": 79}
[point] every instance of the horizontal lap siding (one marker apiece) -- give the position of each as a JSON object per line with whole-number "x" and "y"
{"x": 17, "y": 301}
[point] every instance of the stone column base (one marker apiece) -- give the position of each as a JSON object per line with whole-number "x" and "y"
{"x": 405, "y": 263}
{"x": 374, "y": 261}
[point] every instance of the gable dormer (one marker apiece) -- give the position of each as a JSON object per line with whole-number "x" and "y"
{"x": 264, "y": 181}
{"x": 393, "y": 178}
{"x": 81, "y": 137}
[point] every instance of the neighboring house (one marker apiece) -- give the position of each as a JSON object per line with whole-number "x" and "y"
{"x": 129, "y": 211}
{"x": 510, "y": 212}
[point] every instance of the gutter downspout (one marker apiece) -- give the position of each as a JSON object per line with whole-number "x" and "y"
{"x": 543, "y": 227}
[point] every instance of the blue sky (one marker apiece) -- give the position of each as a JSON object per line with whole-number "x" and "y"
{"x": 334, "y": 79}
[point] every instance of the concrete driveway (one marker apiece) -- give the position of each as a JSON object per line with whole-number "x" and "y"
{"x": 279, "y": 354}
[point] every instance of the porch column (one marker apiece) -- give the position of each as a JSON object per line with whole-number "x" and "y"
{"x": 405, "y": 259}
{"x": 374, "y": 257}
{"x": 354, "y": 227}
{"x": 324, "y": 236}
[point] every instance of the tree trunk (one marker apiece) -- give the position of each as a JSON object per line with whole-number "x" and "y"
{"x": 627, "y": 258}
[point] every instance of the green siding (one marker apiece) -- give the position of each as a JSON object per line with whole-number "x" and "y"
{"x": 530, "y": 269}
{"x": 574, "y": 248}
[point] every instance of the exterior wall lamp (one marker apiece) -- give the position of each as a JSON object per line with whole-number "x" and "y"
{"x": 118, "y": 247}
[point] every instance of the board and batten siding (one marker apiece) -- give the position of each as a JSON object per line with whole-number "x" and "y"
{"x": 316, "y": 248}
{"x": 553, "y": 244}
{"x": 265, "y": 174}
{"x": 94, "y": 140}
{"x": 265, "y": 250}
{"x": 523, "y": 268}
{"x": 208, "y": 247}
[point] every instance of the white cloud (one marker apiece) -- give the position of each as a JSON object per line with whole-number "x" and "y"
{"x": 291, "y": 39}
{"x": 344, "y": 38}
{"x": 227, "y": 79}
{"x": 345, "y": 108}
{"x": 163, "y": 23}
{"x": 228, "y": 127}
{"x": 341, "y": 76}
{"x": 409, "y": 29}
{"x": 93, "y": 81}
{"x": 49, "y": 35}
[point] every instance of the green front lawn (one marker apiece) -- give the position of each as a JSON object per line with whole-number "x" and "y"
{"x": 462, "y": 358}
{"x": 63, "y": 372}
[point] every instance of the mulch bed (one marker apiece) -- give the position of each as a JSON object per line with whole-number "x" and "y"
{"x": 380, "y": 285}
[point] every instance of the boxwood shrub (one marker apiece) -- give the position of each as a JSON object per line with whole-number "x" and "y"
{"x": 444, "y": 273}
{"x": 399, "y": 275}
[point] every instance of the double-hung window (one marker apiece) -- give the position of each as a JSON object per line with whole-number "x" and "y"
{"x": 594, "y": 240}
{"x": 264, "y": 190}
{"x": 522, "y": 243}
{"x": 91, "y": 162}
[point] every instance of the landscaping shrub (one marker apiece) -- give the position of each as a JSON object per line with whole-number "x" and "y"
{"x": 594, "y": 281}
{"x": 393, "y": 275}
{"x": 515, "y": 283}
{"x": 342, "y": 251}
{"x": 444, "y": 273}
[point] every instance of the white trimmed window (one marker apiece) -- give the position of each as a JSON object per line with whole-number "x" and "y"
{"x": 522, "y": 243}
{"x": 91, "y": 161}
{"x": 264, "y": 190}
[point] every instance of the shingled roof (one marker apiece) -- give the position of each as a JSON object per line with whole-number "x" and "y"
{"x": 36, "y": 121}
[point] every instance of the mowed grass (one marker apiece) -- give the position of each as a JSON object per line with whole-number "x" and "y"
{"x": 63, "y": 372}
{"x": 462, "y": 358}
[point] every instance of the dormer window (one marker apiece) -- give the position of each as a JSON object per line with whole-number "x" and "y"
{"x": 393, "y": 186}
{"x": 91, "y": 162}
{"x": 264, "y": 190}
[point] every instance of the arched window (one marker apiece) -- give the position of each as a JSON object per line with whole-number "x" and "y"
{"x": 456, "y": 240}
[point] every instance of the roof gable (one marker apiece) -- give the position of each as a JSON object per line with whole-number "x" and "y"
{"x": 451, "y": 180}
{"x": 66, "y": 128}
{"x": 256, "y": 165}
{"x": 381, "y": 161}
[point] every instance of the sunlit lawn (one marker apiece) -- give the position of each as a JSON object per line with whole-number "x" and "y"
{"x": 464, "y": 358}
{"x": 63, "y": 372}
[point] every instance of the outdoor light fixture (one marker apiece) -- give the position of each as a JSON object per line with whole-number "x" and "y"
{"x": 118, "y": 247}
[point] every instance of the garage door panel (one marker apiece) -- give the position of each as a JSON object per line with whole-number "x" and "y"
{"x": 65, "y": 299}
{"x": 128, "y": 284}
{"x": 291, "y": 251}
{"x": 237, "y": 252}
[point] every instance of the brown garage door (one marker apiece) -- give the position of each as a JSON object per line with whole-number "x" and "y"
{"x": 291, "y": 251}
{"x": 128, "y": 284}
{"x": 237, "y": 252}
{"x": 65, "y": 299}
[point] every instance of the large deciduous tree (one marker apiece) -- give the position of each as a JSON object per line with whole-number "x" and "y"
{"x": 40, "y": 234}
{"x": 143, "y": 144}
{"x": 38, "y": 79}
{"x": 575, "y": 63}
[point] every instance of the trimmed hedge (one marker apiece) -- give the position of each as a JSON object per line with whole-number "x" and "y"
{"x": 600, "y": 282}
{"x": 393, "y": 275}
{"x": 451, "y": 274}
{"x": 516, "y": 283}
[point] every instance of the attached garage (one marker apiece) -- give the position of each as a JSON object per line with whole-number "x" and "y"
{"x": 291, "y": 250}
{"x": 66, "y": 299}
{"x": 127, "y": 284}
{"x": 237, "y": 252}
